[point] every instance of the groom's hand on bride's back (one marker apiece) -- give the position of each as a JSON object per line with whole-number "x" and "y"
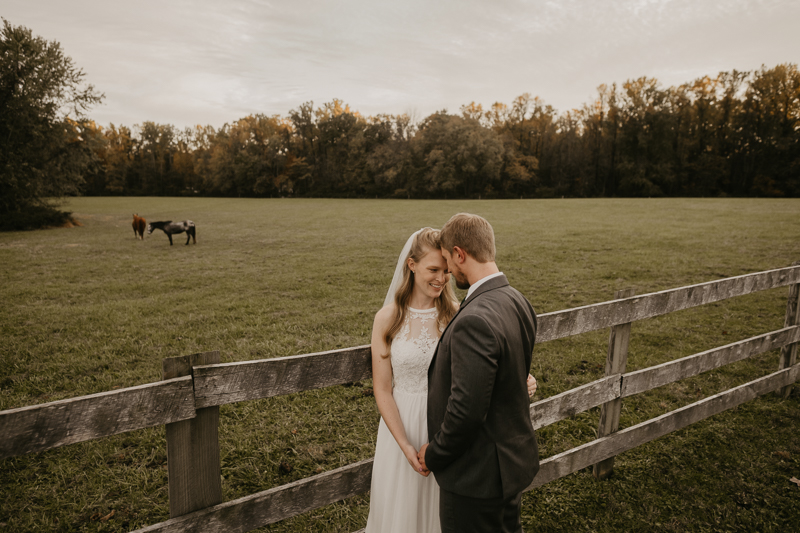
{"x": 532, "y": 385}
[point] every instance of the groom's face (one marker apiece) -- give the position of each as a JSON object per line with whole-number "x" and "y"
{"x": 461, "y": 280}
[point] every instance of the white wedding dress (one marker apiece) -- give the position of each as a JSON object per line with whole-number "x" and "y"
{"x": 401, "y": 500}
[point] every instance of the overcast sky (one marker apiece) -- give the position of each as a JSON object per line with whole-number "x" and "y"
{"x": 209, "y": 62}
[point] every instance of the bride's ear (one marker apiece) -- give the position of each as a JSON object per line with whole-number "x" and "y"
{"x": 412, "y": 265}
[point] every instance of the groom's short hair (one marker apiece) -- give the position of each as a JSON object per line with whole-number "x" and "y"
{"x": 471, "y": 233}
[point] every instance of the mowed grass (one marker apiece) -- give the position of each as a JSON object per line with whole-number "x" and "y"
{"x": 91, "y": 309}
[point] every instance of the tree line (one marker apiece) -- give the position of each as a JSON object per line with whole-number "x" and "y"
{"x": 735, "y": 134}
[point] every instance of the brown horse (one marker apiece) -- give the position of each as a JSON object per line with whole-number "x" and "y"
{"x": 139, "y": 224}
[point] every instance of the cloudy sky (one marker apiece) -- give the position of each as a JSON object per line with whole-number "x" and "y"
{"x": 209, "y": 62}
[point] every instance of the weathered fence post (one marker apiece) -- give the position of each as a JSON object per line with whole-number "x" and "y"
{"x": 788, "y": 355}
{"x": 193, "y": 447}
{"x": 615, "y": 364}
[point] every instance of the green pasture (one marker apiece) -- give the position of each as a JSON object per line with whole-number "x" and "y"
{"x": 90, "y": 309}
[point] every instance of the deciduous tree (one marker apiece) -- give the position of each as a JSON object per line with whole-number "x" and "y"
{"x": 43, "y": 105}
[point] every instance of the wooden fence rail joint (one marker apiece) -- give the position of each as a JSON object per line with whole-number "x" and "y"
{"x": 193, "y": 458}
{"x": 616, "y": 362}
{"x": 788, "y": 355}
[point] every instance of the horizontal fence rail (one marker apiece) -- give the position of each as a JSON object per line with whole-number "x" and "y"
{"x": 574, "y": 401}
{"x": 40, "y": 427}
{"x": 251, "y": 380}
{"x": 571, "y": 461}
{"x": 656, "y": 376}
{"x": 178, "y": 401}
{"x": 273, "y": 505}
{"x": 580, "y": 399}
{"x": 570, "y": 322}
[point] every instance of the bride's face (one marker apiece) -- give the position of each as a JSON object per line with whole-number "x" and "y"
{"x": 430, "y": 273}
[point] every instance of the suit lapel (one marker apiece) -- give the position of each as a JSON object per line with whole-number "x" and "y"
{"x": 494, "y": 283}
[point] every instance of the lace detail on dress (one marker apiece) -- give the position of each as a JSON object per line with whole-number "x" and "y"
{"x": 413, "y": 348}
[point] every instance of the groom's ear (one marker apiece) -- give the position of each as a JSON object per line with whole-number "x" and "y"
{"x": 459, "y": 255}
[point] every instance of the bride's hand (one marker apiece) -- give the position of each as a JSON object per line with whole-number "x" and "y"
{"x": 411, "y": 456}
{"x": 531, "y": 385}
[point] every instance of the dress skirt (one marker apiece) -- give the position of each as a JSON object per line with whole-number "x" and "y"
{"x": 401, "y": 500}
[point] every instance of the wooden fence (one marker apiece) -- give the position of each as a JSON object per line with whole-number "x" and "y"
{"x": 187, "y": 401}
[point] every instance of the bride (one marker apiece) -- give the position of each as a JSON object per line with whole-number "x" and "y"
{"x": 418, "y": 307}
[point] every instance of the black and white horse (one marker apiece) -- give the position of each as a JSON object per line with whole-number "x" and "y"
{"x": 173, "y": 228}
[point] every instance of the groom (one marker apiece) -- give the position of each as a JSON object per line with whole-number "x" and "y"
{"x": 482, "y": 447}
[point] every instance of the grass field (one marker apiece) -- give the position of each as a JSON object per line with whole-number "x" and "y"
{"x": 91, "y": 309}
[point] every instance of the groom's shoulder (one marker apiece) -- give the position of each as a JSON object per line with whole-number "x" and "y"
{"x": 503, "y": 290}
{"x": 508, "y": 295}
{"x": 521, "y": 298}
{"x": 490, "y": 299}
{"x": 516, "y": 293}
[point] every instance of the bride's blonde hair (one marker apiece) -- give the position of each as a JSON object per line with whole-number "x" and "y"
{"x": 427, "y": 240}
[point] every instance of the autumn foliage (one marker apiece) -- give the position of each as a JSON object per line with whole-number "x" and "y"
{"x": 736, "y": 134}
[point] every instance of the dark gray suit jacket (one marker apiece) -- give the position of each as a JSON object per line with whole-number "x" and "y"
{"x": 482, "y": 442}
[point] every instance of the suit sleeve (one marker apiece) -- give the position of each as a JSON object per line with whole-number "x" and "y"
{"x": 474, "y": 357}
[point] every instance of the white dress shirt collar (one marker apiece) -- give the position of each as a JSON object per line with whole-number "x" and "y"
{"x": 474, "y": 286}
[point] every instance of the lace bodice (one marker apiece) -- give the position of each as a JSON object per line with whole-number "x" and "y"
{"x": 413, "y": 348}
